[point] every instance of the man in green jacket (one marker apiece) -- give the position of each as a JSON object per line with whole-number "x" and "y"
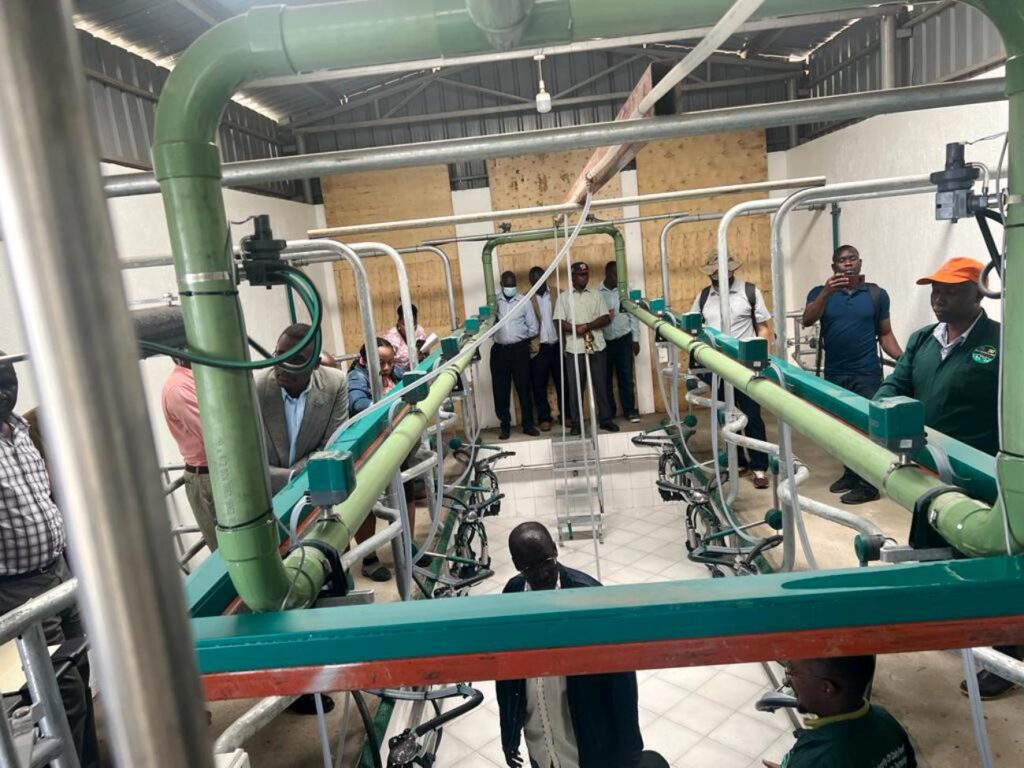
{"x": 953, "y": 368}
{"x": 844, "y": 729}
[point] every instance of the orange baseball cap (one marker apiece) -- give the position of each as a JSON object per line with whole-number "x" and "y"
{"x": 958, "y": 269}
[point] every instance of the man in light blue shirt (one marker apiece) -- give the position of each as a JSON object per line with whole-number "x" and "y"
{"x": 510, "y": 358}
{"x": 545, "y": 355}
{"x": 623, "y": 337}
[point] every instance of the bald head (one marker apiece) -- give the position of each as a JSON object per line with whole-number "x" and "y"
{"x": 534, "y": 554}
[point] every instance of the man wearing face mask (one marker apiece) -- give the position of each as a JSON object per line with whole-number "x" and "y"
{"x": 583, "y": 721}
{"x": 510, "y": 358}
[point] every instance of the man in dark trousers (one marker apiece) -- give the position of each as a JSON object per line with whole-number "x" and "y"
{"x": 545, "y": 358}
{"x": 953, "y": 368}
{"x": 854, "y": 316}
{"x": 583, "y": 721}
{"x": 510, "y": 359}
{"x": 623, "y": 337}
{"x": 844, "y": 730}
{"x": 32, "y": 558}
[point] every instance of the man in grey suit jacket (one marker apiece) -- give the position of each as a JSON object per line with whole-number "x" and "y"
{"x": 300, "y": 411}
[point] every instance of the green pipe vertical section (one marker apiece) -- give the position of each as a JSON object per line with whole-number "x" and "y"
{"x": 618, "y": 242}
{"x": 969, "y": 525}
{"x": 291, "y": 303}
{"x": 1008, "y": 16}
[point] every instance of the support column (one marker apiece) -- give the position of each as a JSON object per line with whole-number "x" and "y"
{"x": 794, "y": 130}
{"x": 887, "y": 35}
{"x": 63, "y": 259}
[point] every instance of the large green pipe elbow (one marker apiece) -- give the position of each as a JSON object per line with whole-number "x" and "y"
{"x": 966, "y": 523}
{"x": 975, "y": 529}
{"x": 618, "y": 242}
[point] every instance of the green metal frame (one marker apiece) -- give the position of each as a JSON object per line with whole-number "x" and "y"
{"x": 610, "y": 230}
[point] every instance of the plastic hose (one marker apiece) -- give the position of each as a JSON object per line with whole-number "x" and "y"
{"x": 977, "y": 715}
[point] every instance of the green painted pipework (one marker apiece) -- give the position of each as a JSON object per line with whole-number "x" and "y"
{"x": 528, "y": 237}
{"x": 306, "y": 569}
{"x": 971, "y": 526}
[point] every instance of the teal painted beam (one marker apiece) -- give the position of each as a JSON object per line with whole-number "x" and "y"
{"x": 987, "y": 588}
{"x": 975, "y": 470}
{"x": 208, "y": 589}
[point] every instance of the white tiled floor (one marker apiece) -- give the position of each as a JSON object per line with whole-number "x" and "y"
{"x": 696, "y": 717}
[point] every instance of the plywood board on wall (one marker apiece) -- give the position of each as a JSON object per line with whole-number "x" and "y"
{"x": 544, "y": 179}
{"x": 376, "y": 196}
{"x": 695, "y": 163}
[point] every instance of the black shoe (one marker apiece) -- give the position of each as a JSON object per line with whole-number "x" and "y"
{"x": 531, "y": 431}
{"x": 610, "y": 426}
{"x": 860, "y": 495}
{"x": 306, "y": 704}
{"x": 843, "y": 484}
{"x": 504, "y": 432}
{"x": 990, "y": 686}
{"x": 575, "y": 431}
{"x": 375, "y": 570}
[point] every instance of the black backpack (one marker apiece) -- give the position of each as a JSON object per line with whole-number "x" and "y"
{"x": 751, "y": 291}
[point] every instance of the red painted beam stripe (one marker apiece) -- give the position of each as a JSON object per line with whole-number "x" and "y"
{"x": 590, "y": 659}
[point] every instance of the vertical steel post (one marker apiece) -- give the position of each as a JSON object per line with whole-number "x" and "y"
{"x": 42, "y": 683}
{"x": 307, "y": 185}
{"x": 794, "y": 129}
{"x": 71, "y": 299}
{"x": 887, "y": 38}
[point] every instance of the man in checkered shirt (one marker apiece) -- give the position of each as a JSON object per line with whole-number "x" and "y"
{"x": 32, "y": 555}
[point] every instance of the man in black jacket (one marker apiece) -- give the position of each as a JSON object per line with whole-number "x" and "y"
{"x": 584, "y": 721}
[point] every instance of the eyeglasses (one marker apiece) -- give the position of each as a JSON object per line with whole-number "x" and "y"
{"x": 788, "y": 674}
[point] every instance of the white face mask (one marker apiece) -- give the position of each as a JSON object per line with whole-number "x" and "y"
{"x": 509, "y": 292}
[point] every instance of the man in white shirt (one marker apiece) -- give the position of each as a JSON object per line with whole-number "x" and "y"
{"x": 623, "y": 338}
{"x": 583, "y": 721}
{"x": 545, "y": 359}
{"x": 582, "y": 314}
{"x": 510, "y": 359}
{"x": 749, "y": 319}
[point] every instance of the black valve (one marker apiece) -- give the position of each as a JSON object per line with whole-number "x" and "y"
{"x": 954, "y": 200}
{"x": 261, "y": 252}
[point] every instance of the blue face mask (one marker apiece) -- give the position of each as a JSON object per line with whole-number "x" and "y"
{"x": 509, "y": 292}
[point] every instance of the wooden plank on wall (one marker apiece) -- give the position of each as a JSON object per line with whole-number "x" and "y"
{"x": 375, "y": 196}
{"x": 530, "y": 180}
{"x": 693, "y": 163}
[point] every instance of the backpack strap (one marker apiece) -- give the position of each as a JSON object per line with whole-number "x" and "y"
{"x": 876, "y": 299}
{"x": 751, "y": 290}
{"x": 704, "y": 294}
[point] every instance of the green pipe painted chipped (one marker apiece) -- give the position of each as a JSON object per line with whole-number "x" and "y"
{"x": 276, "y": 40}
{"x": 527, "y": 237}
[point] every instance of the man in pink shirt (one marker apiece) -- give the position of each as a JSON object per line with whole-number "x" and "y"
{"x": 181, "y": 410}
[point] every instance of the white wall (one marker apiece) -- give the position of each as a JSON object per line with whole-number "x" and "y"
{"x": 140, "y": 229}
{"x": 899, "y": 238}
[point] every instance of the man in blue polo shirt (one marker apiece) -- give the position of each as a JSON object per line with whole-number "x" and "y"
{"x": 854, "y": 317}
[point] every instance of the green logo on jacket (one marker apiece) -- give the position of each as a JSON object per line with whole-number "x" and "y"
{"x": 984, "y": 355}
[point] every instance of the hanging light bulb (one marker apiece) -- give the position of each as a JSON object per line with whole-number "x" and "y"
{"x": 543, "y": 97}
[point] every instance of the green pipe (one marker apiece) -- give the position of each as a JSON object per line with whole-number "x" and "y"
{"x": 305, "y": 570}
{"x": 1008, "y": 16}
{"x": 528, "y": 237}
{"x": 969, "y": 525}
{"x": 291, "y": 304}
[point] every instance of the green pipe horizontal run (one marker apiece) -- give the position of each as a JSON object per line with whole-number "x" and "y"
{"x": 971, "y": 526}
{"x": 529, "y": 237}
{"x": 771, "y": 604}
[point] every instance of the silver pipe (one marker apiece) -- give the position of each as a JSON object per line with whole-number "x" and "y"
{"x": 559, "y": 209}
{"x": 307, "y": 184}
{"x": 776, "y": 115}
{"x": 403, "y": 292}
{"x": 887, "y": 36}
{"x": 418, "y": 469}
{"x": 251, "y": 723}
{"x": 71, "y": 298}
{"x": 859, "y": 190}
{"x": 12, "y": 359}
{"x": 372, "y": 544}
{"x": 44, "y": 752}
{"x": 827, "y": 512}
{"x": 8, "y": 752}
{"x": 794, "y": 130}
{"x": 364, "y": 300}
{"x": 48, "y": 604}
{"x": 449, "y": 284}
{"x": 42, "y": 683}
{"x": 1000, "y": 664}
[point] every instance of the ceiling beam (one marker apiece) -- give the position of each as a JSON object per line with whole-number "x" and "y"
{"x": 603, "y": 73}
{"x": 480, "y": 89}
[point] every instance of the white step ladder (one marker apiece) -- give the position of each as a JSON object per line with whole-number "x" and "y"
{"x": 579, "y": 492}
